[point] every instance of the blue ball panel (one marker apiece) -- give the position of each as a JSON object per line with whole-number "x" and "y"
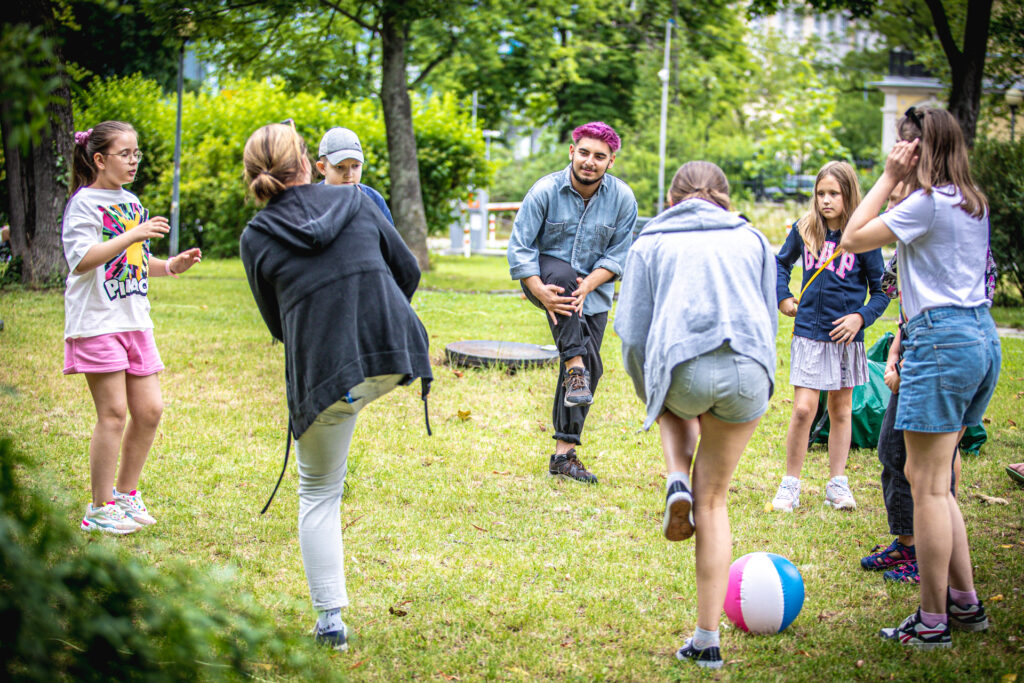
{"x": 792, "y": 588}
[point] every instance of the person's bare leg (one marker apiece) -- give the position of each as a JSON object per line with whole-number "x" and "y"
{"x": 961, "y": 573}
{"x": 941, "y": 540}
{"x": 805, "y": 405}
{"x": 721, "y": 445}
{"x": 840, "y": 430}
{"x": 678, "y": 441}
{"x": 145, "y": 406}
{"x": 109, "y": 394}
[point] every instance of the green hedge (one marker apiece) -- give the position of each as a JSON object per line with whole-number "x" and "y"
{"x": 83, "y": 609}
{"x": 998, "y": 167}
{"x": 216, "y": 126}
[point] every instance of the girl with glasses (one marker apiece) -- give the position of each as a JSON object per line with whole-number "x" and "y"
{"x": 108, "y": 334}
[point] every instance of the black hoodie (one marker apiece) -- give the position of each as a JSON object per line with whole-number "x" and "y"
{"x": 333, "y": 281}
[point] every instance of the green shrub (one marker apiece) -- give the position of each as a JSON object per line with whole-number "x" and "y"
{"x": 80, "y": 610}
{"x": 216, "y": 126}
{"x": 998, "y": 168}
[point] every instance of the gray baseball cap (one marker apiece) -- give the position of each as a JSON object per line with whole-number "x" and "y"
{"x": 339, "y": 144}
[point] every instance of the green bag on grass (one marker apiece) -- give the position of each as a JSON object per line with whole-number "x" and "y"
{"x": 869, "y": 402}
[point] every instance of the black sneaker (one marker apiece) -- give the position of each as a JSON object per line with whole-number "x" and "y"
{"x": 708, "y": 658}
{"x": 577, "y": 388}
{"x": 337, "y": 640}
{"x": 678, "y": 525}
{"x": 968, "y": 618}
{"x": 914, "y": 633}
{"x": 568, "y": 466}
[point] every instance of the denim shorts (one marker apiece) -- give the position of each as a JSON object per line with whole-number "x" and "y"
{"x": 952, "y": 357}
{"x": 729, "y": 385}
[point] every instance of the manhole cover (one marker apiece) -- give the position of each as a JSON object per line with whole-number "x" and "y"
{"x": 480, "y": 353}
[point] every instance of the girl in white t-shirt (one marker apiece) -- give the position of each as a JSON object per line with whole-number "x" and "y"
{"x": 108, "y": 334}
{"x": 951, "y": 353}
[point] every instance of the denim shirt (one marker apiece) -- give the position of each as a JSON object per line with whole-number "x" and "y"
{"x": 554, "y": 221}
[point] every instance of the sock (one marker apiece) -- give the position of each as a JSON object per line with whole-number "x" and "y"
{"x": 703, "y": 639}
{"x": 931, "y": 620}
{"x": 673, "y": 477}
{"x": 963, "y": 598}
{"x": 329, "y": 620}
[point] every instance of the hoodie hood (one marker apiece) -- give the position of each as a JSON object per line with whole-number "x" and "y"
{"x": 691, "y": 215}
{"x": 307, "y": 218}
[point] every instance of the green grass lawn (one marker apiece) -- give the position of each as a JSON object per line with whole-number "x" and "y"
{"x": 464, "y": 560}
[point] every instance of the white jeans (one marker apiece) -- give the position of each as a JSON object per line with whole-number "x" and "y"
{"x": 322, "y": 454}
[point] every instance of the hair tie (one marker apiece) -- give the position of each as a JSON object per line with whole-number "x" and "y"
{"x": 914, "y": 115}
{"x": 82, "y": 139}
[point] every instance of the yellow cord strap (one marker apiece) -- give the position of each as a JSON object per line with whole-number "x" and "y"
{"x": 818, "y": 272}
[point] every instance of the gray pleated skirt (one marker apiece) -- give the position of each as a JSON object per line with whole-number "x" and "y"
{"x": 827, "y": 366}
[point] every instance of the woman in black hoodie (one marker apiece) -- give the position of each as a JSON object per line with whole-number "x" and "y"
{"x": 333, "y": 281}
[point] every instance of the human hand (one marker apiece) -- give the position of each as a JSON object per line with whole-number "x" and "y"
{"x": 554, "y": 303}
{"x": 846, "y": 328}
{"x": 891, "y": 377}
{"x": 157, "y": 226}
{"x": 176, "y": 265}
{"x": 902, "y": 159}
{"x": 788, "y": 307}
{"x": 580, "y": 294}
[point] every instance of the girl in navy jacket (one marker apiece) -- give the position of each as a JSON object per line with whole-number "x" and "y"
{"x": 827, "y": 351}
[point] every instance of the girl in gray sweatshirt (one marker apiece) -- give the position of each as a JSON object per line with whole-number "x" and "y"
{"x": 697, "y": 321}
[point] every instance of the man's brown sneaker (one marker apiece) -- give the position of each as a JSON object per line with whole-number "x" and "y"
{"x": 577, "y": 388}
{"x": 568, "y": 466}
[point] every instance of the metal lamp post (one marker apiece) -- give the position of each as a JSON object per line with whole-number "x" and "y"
{"x": 1014, "y": 97}
{"x": 663, "y": 76}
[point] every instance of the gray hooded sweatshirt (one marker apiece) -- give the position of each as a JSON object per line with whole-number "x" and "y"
{"x": 697, "y": 277}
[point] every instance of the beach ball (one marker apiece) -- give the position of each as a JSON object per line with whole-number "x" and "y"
{"x": 765, "y": 593}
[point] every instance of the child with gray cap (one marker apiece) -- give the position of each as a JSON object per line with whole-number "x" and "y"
{"x": 341, "y": 163}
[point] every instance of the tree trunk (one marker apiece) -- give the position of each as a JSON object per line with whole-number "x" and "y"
{"x": 967, "y": 66}
{"x": 406, "y": 194}
{"x": 37, "y": 180}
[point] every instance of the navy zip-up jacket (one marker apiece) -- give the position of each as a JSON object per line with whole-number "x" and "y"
{"x": 839, "y": 290}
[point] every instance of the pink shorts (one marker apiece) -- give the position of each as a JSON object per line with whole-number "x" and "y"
{"x": 134, "y": 352}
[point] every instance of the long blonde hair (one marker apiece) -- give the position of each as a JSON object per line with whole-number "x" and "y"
{"x": 700, "y": 179}
{"x": 813, "y": 225}
{"x": 272, "y": 158}
{"x": 942, "y": 156}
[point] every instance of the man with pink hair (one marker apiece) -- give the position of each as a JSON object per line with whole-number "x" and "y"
{"x": 569, "y": 242}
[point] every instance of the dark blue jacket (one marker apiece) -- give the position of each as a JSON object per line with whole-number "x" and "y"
{"x": 377, "y": 198}
{"x": 837, "y": 291}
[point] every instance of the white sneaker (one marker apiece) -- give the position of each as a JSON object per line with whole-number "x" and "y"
{"x": 132, "y": 506}
{"x": 108, "y": 518}
{"x": 838, "y": 495}
{"x": 788, "y": 495}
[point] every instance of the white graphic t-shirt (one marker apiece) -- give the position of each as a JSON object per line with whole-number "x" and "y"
{"x": 112, "y": 296}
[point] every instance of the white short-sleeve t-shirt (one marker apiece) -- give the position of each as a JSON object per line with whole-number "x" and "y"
{"x": 942, "y": 251}
{"x": 111, "y": 297}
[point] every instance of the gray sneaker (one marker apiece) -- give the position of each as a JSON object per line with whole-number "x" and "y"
{"x": 788, "y": 495}
{"x": 577, "y": 388}
{"x": 568, "y": 466}
{"x": 838, "y": 495}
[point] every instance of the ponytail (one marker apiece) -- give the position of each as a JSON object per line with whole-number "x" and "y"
{"x": 273, "y": 159}
{"x": 87, "y": 144}
{"x": 700, "y": 179}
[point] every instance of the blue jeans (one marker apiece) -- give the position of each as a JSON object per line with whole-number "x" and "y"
{"x": 892, "y": 453}
{"x": 952, "y": 359}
